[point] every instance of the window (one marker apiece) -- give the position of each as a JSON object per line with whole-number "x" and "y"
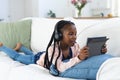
{"x": 114, "y": 6}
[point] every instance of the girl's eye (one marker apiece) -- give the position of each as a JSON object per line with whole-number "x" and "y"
{"x": 70, "y": 33}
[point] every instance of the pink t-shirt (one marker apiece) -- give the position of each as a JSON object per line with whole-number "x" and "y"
{"x": 62, "y": 66}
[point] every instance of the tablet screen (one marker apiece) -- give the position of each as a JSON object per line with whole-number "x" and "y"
{"x": 95, "y": 45}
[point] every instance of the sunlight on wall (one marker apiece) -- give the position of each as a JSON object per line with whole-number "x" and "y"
{"x": 118, "y": 8}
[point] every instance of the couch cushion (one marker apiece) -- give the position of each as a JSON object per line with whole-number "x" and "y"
{"x": 13, "y": 32}
{"x": 109, "y": 70}
{"x": 33, "y": 72}
{"x": 6, "y": 65}
{"x": 109, "y": 28}
{"x": 42, "y": 29}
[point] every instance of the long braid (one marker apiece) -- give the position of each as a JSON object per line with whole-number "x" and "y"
{"x": 57, "y": 56}
{"x": 46, "y": 60}
{"x": 53, "y": 53}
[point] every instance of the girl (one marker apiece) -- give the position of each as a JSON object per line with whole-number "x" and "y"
{"x": 63, "y": 56}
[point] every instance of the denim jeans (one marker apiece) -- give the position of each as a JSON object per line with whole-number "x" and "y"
{"x": 28, "y": 58}
{"x": 86, "y": 69}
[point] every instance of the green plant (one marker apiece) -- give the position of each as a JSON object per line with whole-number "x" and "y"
{"x": 51, "y": 14}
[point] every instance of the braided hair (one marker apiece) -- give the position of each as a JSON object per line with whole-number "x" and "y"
{"x": 59, "y": 25}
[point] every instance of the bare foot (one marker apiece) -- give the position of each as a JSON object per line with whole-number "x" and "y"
{"x": 1, "y": 44}
{"x": 18, "y": 46}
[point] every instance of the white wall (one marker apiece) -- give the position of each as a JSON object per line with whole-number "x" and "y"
{"x": 119, "y": 8}
{"x": 31, "y": 8}
{"x": 16, "y": 9}
{"x": 11, "y": 10}
{"x": 62, "y": 8}
{"x": 4, "y": 9}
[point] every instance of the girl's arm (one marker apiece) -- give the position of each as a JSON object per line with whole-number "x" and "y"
{"x": 78, "y": 56}
{"x": 62, "y": 66}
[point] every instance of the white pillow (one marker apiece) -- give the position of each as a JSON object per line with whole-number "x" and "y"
{"x": 42, "y": 29}
{"x": 109, "y": 70}
{"x": 109, "y": 28}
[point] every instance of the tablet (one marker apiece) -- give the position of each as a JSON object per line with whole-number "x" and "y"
{"x": 95, "y": 45}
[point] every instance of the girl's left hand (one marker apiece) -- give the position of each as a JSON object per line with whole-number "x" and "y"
{"x": 104, "y": 49}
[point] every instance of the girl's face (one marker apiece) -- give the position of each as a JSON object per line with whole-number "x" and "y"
{"x": 69, "y": 35}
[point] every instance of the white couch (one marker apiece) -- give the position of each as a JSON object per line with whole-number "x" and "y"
{"x": 41, "y": 30}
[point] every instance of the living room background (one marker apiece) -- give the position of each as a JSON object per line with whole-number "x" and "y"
{"x": 11, "y": 10}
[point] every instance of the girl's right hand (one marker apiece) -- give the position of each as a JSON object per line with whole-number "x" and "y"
{"x": 83, "y": 53}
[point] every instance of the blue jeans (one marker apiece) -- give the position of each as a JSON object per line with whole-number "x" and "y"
{"x": 86, "y": 69}
{"x": 28, "y": 58}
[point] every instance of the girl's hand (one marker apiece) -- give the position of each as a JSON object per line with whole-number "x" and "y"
{"x": 83, "y": 53}
{"x": 104, "y": 49}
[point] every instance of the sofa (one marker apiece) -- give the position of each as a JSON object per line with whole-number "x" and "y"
{"x": 34, "y": 33}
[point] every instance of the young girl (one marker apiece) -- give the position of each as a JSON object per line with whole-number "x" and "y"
{"x": 63, "y": 56}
